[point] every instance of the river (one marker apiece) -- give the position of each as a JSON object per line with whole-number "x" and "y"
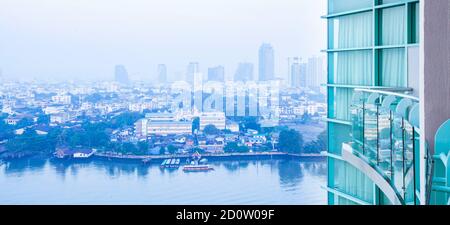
{"x": 242, "y": 182}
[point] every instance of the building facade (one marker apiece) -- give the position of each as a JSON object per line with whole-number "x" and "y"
{"x": 121, "y": 74}
{"x": 216, "y": 74}
{"x": 162, "y": 73}
{"x": 162, "y": 124}
{"x": 315, "y": 72}
{"x": 266, "y": 62}
{"x": 379, "y": 148}
{"x": 192, "y": 69}
{"x": 212, "y": 118}
{"x": 298, "y": 74}
{"x": 244, "y": 72}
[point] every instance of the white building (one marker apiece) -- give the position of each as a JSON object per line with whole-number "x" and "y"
{"x": 214, "y": 118}
{"x": 62, "y": 99}
{"x": 162, "y": 124}
{"x": 53, "y": 109}
{"x": 59, "y": 118}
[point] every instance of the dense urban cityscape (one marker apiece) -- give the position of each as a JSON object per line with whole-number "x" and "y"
{"x": 127, "y": 118}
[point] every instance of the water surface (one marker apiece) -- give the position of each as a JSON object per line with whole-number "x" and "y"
{"x": 266, "y": 182}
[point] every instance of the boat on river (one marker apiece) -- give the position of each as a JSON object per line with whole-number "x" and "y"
{"x": 197, "y": 168}
{"x": 170, "y": 163}
{"x": 197, "y": 164}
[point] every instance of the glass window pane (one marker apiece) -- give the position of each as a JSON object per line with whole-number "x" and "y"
{"x": 413, "y": 69}
{"x": 339, "y": 102}
{"x": 352, "y": 31}
{"x": 393, "y": 67}
{"x": 393, "y": 26}
{"x": 336, "y": 6}
{"x": 351, "y": 67}
{"x": 390, "y": 1}
{"x": 351, "y": 181}
{"x": 338, "y": 134}
{"x": 413, "y": 23}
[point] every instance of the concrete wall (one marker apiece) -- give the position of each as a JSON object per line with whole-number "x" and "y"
{"x": 435, "y": 77}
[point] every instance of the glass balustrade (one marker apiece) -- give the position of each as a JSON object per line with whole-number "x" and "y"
{"x": 371, "y": 132}
{"x": 386, "y": 140}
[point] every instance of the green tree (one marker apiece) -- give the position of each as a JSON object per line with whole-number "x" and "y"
{"x": 125, "y": 119}
{"x": 172, "y": 149}
{"x": 162, "y": 150}
{"x": 128, "y": 147}
{"x": 195, "y": 124}
{"x": 211, "y": 130}
{"x": 25, "y": 122}
{"x": 6, "y": 130}
{"x": 143, "y": 147}
{"x": 250, "y": 123}
{"x": 230, "y": 147}
{"x": 318, "y": 145}
{"x": 291, "y": 141}
{"x": 43, "y": 119}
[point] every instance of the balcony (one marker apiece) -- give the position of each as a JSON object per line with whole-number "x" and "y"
{"x": 385, "y": 142}
{"x": 440, "y": 191}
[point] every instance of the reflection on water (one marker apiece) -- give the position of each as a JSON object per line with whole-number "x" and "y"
{"x": 40, "y": 181}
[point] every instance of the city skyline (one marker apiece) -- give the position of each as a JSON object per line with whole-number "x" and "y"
{"x": 38, "y": 46}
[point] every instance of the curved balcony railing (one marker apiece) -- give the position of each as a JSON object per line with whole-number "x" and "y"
{"x": 385, "y": 133}
{"x": 440, "y": 191}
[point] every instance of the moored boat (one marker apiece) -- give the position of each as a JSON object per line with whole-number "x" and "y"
{"x": 163, "y": 164}
{"x": 197, "y": 168}
{"x": 197, "y": 164}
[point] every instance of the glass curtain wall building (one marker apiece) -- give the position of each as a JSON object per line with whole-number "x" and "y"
{"x": 376, "y": 153}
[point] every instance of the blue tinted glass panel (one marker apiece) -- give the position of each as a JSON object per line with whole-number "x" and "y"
{"x": 393, "y": 26}
{"x": 337, "y": 6}
{"x": 352, "y": 31}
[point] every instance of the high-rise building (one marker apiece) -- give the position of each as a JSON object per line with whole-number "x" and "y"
{"x": 244, "y": 72}
{"x": 388, "y": 128}
{"x": 216, "y": 74}
{"x": 162, "y": 73}
{"x": 121, "y": 74}
{"x": 266, "y": 62}
{"x": 198, "y": 92}
{"x": 192, "y": 69}
{"x": 298, "y": 73}
{"x": 315, "y": 72}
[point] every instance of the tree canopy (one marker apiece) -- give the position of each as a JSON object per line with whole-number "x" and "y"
{"x": 291, "y": 141}
{"x": 211, "y": 130}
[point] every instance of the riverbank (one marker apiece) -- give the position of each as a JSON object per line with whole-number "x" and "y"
{"x": 210, "y": 156}
{"x": 156, "y": 159}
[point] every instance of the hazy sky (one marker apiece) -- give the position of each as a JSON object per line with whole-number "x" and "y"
{"x": 66, "y": 39}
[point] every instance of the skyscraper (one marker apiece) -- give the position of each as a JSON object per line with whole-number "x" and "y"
{"x": 198, "y": 92}
{"x": 266, "y": 62}
{"x": 244, "y": 72}
{"x": 298, "y": 73}
{"x": 192, "y": 69}
{"x": 388, "y": 129}
{"x": 315, "y": 72}
{"x": 216, "y": 74}
{"x": 121, "y": 74}
{"x": 162, "y": 73}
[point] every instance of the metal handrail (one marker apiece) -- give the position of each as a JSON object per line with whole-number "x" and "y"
{"x": 393, "y": 91}
{"x": 400, "y": 93}
{"x": 429, "y": 180}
